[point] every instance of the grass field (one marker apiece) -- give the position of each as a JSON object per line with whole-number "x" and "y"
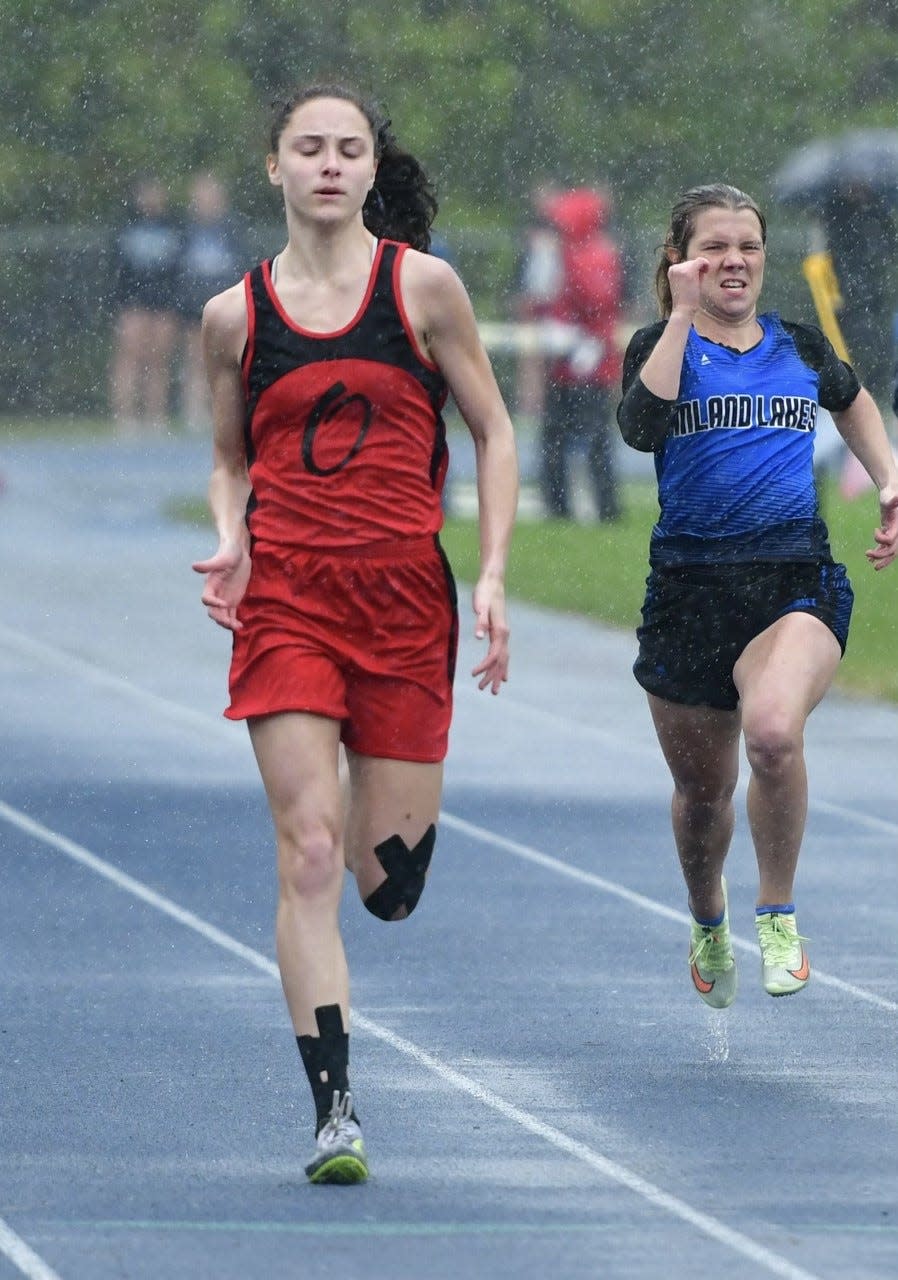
{"x": 599, "y": 571}
{"x": 51, "y": 428}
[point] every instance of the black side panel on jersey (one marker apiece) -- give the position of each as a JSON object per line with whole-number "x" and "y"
{"x": 839, "y": 384}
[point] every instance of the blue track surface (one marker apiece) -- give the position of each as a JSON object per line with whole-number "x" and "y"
{"x": 541, "y": 1092}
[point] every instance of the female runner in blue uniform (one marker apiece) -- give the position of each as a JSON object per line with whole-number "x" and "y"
{"x": 746, "y": 615}
{"x": 329, "y": 367}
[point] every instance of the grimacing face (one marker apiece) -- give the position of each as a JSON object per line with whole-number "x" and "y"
{"x": 731, "y": 241}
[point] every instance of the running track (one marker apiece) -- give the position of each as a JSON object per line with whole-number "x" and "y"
{"x": 541, "y": 1092}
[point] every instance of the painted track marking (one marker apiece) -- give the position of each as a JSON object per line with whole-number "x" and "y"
{"x": 200, "y": 720}
{"x": 610, "y": 1169}
{"x": 22, "y": 1256}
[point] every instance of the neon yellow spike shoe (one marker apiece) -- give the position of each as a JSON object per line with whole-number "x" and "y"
{"x": 339, "y": 1150}
{"x": 785, "y": 967}
{"x": 711, "y": 960}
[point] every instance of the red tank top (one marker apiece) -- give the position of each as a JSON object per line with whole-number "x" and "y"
{"x": 345, "y": 440}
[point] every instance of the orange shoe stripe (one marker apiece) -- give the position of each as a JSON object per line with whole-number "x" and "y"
{"x": 700, "y": 983}
{"x": 803, "y": 972}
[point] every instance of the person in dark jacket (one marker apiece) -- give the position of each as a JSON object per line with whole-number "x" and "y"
{"x": 146, "y": 256}
{"x": 213, "y": 255}
{"x": 862, "y": 241}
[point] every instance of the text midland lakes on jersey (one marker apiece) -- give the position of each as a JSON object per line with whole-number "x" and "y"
{"x": 794, "y": 413}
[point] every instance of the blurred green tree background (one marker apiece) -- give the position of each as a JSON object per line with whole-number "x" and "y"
{"x": 644, "y": 96}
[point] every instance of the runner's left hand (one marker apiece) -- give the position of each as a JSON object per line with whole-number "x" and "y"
{"x": 489, "y": 606}
{"x": 886, "y": 535}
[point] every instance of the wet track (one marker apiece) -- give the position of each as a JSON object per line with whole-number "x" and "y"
{"x": 541, "y": 1091}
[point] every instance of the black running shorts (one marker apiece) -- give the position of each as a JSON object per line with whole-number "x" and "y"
{"x": 696, "y": 622}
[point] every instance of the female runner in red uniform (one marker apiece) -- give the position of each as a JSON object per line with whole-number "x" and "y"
{"x": 329, "y": 367}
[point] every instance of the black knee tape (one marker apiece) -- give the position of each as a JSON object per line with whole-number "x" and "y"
{"x": 406, "y": 869}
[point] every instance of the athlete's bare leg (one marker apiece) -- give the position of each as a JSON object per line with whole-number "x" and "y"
{"x": 387, "y": 798}
{"x": 163, "y": 332}
{"x": 781, "y": 676}
{"x": 125, "y": 373}
{"x": 297, "y": 757}
{"x": 701, "y": 747}
{"x": 140, "y": 375}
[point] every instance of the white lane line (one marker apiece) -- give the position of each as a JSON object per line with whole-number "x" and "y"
{"x": 185, "y": 716}
{"x": 22, "y": 1256}
{"x": 607, "y": 738}
{"x": 136, "y": 888}
{"x": 545, "y": 860}
{"x": 853, "y": 815}
{"x": 610, "y": 1169}
{"x": 228, "y": 731}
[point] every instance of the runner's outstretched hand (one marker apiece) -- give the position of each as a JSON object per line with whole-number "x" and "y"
{"x": 227, "y": 573}
{"x": 886, "y": 535}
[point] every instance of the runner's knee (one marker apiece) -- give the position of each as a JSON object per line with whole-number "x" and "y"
{"x": 309, "y": 861}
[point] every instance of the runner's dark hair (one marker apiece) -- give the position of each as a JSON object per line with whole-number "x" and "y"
{"x": 402, "y": 204}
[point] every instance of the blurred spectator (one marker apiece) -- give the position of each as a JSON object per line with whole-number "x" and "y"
{"x": 581, "y": 383}
{"x": 861, "y": 238}
{"x": 213, "y": 257}
{"x": 146, "y": 262}
{"x": 539, "y": 282}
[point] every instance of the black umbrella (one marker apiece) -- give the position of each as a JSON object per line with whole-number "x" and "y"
{"x": 862, "y": 158}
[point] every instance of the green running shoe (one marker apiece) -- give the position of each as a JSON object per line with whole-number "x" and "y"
{"x": 785, "y": 967}
{"x": 711, "y": 960}
{"x": 340, "y": 1152}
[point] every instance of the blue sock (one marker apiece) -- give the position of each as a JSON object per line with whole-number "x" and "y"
{"x": 779, "y": 909}
{"x": 708, "y": 924}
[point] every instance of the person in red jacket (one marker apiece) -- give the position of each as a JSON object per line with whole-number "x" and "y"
{"x": 581, "y": 381}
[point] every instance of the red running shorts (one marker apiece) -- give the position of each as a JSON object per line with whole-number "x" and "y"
{"x": 366, "y": 636}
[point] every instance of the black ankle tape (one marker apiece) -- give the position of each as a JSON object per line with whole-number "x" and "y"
{"x": 327, "y": 1055}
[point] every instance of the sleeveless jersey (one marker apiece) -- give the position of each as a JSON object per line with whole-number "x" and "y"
{"x": 345, "y": 442}
{"x": 736, "y": 467}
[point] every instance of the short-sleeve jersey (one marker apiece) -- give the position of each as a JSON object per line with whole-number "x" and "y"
{"x": 736, "y": 466}
{"x": 345, "y": 439}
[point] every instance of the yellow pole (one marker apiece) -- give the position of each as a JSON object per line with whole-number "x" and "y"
{"x": 820, "y": 274}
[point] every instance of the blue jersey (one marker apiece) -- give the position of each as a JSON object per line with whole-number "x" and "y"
{"x": 734, "y": 454}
